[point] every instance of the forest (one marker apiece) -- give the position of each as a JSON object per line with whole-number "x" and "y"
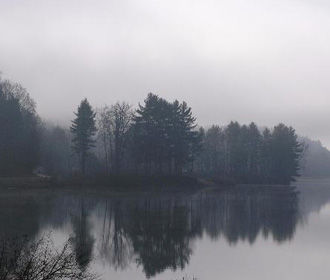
{"x": 158, "y": 138}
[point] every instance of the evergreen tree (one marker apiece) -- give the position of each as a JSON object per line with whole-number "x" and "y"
{"x": 164, "y": 135}
{"x": 266, "y": 156}
{"x": 233, "y": 147}
{"x": 186, "y": 137}
{"x": 148, "y": 132}
{"x": 83, "y": 129}
{"x": 214, "y": 151}
{"x": 285, "y": 154}
{"x": 253, "y": 153}
{"x": 243, "y": 155}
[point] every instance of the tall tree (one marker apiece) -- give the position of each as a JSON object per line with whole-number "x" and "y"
{"x": 83, "y": 129}
{"x": 242, "y": 154}
{"x": 165, "y": 138}
{"x": 213, "y": 154}
{"x": 185, "y": 136}
{"x": 114, "y": 124}
{"x": 105, "y": 136}
{"x": 20, "y": 133}
{"x": 253, "y": 152}
{"x": 151, "y": 133}
{"x": 285, "y": 154}
{"x": 233, "y": 150}
{"x": 266, "y": 156}
{"x": 121, "y": 120}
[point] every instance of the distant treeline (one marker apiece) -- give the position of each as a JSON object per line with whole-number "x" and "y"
{"x": 158, "y": 138}
{"x": 316, "y": 161}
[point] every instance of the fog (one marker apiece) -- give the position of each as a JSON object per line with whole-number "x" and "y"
{"x": 247, "y": 60}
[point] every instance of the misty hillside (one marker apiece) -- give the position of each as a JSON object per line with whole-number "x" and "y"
{"x": 316, "y": 162}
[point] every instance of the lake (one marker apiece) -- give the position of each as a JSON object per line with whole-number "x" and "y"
{"x": 242, "y": 232}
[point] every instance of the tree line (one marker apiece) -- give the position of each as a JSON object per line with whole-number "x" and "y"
{"x": 249, "y": 155}
{"x": 158, "y": 138}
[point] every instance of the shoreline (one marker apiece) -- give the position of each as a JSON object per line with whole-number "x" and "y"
{"x": 123, "y": 185}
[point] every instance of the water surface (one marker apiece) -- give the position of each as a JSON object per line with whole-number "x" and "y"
{"x": 245, "y": 232}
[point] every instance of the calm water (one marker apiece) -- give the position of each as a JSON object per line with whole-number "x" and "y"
{"x": 239, "y": 233}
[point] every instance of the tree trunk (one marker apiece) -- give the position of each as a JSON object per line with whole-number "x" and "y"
{"x": 83, "y": 163}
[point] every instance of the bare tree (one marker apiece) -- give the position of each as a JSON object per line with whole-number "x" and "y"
{"x": 114, "y": 123}
{"x": 105, "y": 135}
{"x": 122, "y": 116}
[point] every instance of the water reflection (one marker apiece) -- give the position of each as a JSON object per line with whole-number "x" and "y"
{"x": 245, "y": 213}
{"x": 160, "y": 233}
{"x": 115, "y": 244}
{"x": 156, "y": 232}
{"x": 82, "y": 238}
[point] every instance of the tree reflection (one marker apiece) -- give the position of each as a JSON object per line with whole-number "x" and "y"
{"x": 116, "y": 246}
{"x": 160, "y": 234}
{"x": 243, "y": 213}
{"x": 159, "y": 231}
{"x": 82, "y": 238}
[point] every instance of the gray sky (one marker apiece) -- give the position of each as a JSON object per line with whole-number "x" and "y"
{"x": 266, "y": 61}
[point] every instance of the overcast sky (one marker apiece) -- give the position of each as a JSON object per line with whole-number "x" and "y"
{"x": 266, "y": 61}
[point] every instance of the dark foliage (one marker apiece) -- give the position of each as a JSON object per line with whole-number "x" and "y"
{"x": 164, "y": 136}
{"x": 245, "y": 155}
{"x": 19, "y": 126}
{"x": 159, "y": 139}
{"x": 83, "y": 129}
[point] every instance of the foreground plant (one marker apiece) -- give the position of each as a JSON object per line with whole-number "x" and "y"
{"x": 40, "y": 260}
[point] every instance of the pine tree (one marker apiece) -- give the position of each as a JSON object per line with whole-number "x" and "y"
{"x": 189, "y": 137}
{"x": 233, "y": 150}
{"x": 242, "y": 154}
{"x": 164, "y": 135}
{"x": 83, "y": 130}
{"x": 214, "y": 152}
{"x": 266, "y": 156}
{"x": 285, "y": 154}
{"x": 253, "y": 152}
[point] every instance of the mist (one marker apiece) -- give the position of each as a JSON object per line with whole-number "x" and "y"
{"x": 181, "y": 139}
{"x": 262, "y": 61}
